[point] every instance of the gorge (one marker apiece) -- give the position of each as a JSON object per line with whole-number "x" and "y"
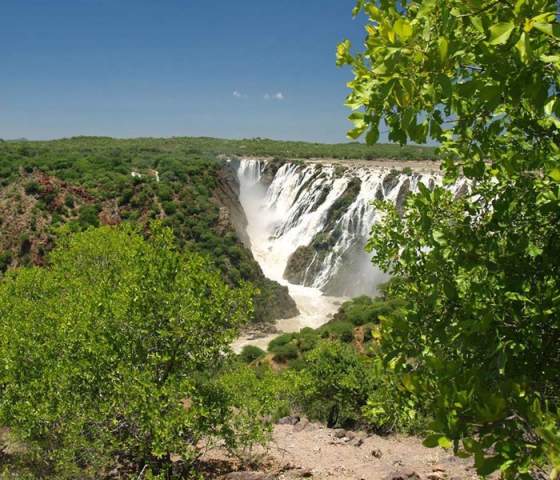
{"x": 307, "y": 224}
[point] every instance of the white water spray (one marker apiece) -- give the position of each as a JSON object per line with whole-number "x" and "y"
{"x": 289, "y": 213}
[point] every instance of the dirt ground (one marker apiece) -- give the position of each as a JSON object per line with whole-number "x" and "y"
{"x": 308, "y": 450}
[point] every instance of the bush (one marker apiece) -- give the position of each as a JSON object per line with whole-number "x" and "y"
{"x": 364, "y": 309}
{"x": 258, "y": 399}
{"x": 250, "y": 353}
{"x": 283, "y": 353}
{"x": 280, "y": 341}
{"x": 69, "y": 201}
{"x": 5, "y": 261}
{"x": 335, "y": 383}
{"x": 101, "y": 354}
{"x": 88, "y": 216}
{"x": 340, "y": 330}
{"x": 307, "y": 339}
{"x": 32, "y": 188}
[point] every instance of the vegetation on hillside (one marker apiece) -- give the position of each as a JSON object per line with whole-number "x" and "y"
{"x": 114, "y": 355}
{"x": 48, "y": 187}
{"x": 479, "y": 339}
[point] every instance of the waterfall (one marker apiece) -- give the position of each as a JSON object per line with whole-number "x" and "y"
{"x": 309, "y": 223}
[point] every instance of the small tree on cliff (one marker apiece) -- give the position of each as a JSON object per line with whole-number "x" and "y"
{"x": 481, "y": 337}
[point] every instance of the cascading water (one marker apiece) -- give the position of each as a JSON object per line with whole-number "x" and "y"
{"x": 267, "y": 214}
{"x": 309, "y": 224}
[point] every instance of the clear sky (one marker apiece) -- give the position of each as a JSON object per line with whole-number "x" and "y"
{"x": 128, "y": 68}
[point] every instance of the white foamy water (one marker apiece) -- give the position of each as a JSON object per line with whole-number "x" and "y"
{"x": 294, "y": 208}
{"x": 267, "y": 211}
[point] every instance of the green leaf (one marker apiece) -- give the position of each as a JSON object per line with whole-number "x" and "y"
{"x": 518, "y": 5}
{"x": 477, "y": 23}
{"x": 444, "y": 442}
{"x": 432, "y": 441}
{"x": 549, "y": 107}
{"x": 555, "y": 174}
{"x": 374, "y": 12}
{"x": 443, "y": 48}
{"x": 373, "y": 135}
{"x": 356, "y": 132}
{"x": 486, "y": 466}
{"x": 358, "y": 118}
{"x": 547, "y": 28}
{"x": 403, "y": 29}
{"x": 533, "y": 250}
{"x": 439, "y": 237}
{"x": 524, "y": 47}
{"x": 343, "y": 52}
{"x": 446, "y": 86}
{"x": 500, "y": 33}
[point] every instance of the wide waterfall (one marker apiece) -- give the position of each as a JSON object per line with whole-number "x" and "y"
{"x": 309, "y": 223}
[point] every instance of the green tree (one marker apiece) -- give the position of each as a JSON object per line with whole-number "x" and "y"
{"x": 103, "y": 352}
{"x": 335, "y": 383}
{"x": 480, "y": 273}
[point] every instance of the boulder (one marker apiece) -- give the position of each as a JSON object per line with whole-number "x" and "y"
{"x": 289, "y": 420}
{"x": 301, "y": 425}
{"x": 403, "y": 475}
{"x": 339, "y": 433}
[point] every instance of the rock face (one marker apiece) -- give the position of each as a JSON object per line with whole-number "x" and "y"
{"x": 298, "y": 263}
{"x": 271, "y": 169}
{"x": 226, "y": 195}
{"x": 307, "y": 261}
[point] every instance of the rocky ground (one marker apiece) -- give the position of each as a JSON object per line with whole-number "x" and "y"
{"x": 300, "y": 449}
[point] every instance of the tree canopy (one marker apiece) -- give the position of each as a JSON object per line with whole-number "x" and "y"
{"x": 480, "y": 273}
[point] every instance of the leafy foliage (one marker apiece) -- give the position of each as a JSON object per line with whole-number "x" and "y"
{"x": 255, "y": 399}
{"x": 335, "y": 374}
{"x": 104, "y": 353}
{"x": 250, "y": 353}
{"x": 335, "y": 383}
{"x": 479, "y": 340}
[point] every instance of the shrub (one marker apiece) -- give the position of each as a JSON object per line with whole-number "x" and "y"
{"x": 280, "y": 341}
{"x": 88, "y": 216}
{"x": 257, "y": 399}
{"x": 341, "y": 330}
{"x": 335, "y": 383}
{"x": 283, "y": 353}
{"x": 102, "y": 353}
{"x": 69, "y": 201}
{"x": 250, "y": 353}
{"x": 32, "y": 188}
{"x": 307, "y": 339}
{"x": 5, "y": 260}
{"x": 169, "y": 207}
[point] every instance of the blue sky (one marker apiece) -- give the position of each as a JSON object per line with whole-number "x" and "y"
{"x": 128, "y": 68}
